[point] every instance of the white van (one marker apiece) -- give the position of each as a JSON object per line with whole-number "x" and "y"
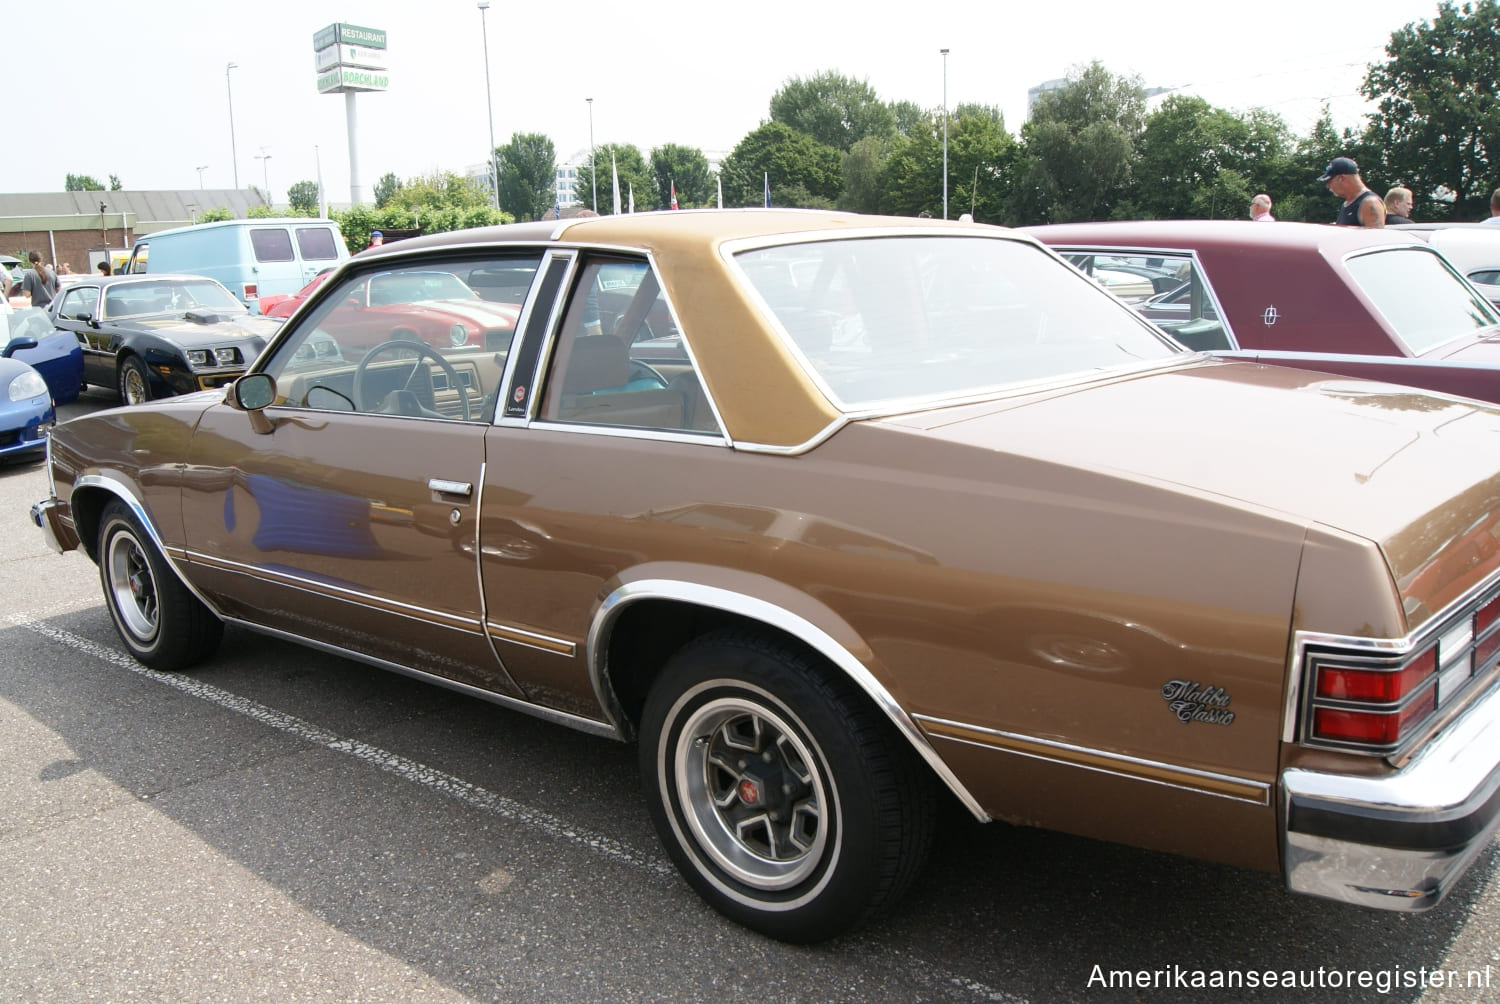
{"x": 253, "y": 258}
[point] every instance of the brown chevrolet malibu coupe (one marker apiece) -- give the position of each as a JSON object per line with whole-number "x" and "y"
{"x": 885, "y": 511}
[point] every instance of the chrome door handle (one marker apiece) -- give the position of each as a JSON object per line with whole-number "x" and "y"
{"x": 463, "y": 488}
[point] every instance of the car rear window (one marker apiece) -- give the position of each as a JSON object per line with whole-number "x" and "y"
{"x": 1420, "y": 297}
{"x": 879, "y": 320}
{"x": 316, "y": 244}
{"x": 272, "y": 244}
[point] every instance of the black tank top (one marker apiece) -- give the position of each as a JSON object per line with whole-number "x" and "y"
{"x": 1349, "y": 215}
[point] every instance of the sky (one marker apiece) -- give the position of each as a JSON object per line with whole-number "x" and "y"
{"x": 141, "y": 89}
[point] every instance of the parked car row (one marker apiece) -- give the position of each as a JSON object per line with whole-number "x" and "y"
{"x": 1378, "y": 304}
{"x": 918, "y": 512}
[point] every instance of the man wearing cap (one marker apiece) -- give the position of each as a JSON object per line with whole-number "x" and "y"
{"x": 376, "y": 238}
{"x": 1362, "y": 207}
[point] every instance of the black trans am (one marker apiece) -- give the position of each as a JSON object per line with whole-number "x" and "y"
{"x": 154, "y": 336}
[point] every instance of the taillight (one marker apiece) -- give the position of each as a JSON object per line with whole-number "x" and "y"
{"x": 1377, "y": 703}
{"x": 252, "y": 291}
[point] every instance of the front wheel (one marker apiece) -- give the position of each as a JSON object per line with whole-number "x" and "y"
{"x": 785, "y": 798}
{"x": 162, "y": 623}
{"x": 135, "y": 384}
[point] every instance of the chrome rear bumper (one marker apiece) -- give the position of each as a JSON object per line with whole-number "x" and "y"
{"x": 56, "y": 522}
{"x": 1403, "y": 840}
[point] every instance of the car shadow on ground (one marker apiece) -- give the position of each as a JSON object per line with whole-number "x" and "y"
{"x": 468, "y": 894}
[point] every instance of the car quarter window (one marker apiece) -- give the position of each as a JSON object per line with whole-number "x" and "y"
{"x": 1420, "y": 296}
{"x": 1168, "y": 289}
{"x": 421, "y": 340}
{"x": 619, "y": 360}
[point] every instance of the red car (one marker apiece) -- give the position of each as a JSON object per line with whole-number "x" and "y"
{"x": 1366, "y": 303}
{"x": 282, "y": 304}
{"x": 434, "y": 307}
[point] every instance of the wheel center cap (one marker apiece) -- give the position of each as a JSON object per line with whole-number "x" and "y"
{"x": 750, "y": 791}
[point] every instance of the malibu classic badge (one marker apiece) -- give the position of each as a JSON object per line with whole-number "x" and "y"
{"x": 1193, "y": 703}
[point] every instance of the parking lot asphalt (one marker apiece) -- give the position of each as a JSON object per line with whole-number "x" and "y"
{"x": 281, "y": 824}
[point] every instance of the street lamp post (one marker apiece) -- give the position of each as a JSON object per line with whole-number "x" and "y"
{"x": 265, "y": 175}
{"x": 945, "y": 132}
{"x": 200, "y": 171}
{"x": 494, "y": 166}
{"x": 593, "y": 171}
{"x": 234, "y": 157}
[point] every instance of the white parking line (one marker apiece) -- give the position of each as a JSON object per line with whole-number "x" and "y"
{"x": 915, "y": 969}
{"x": 391, "y": 763}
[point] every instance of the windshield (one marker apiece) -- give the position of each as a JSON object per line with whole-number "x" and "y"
{"x": 27, "y": 322}
{"x": 896, "y": 318}
{"x": 169, "y": 296}
{"x": 1420, "y": 297}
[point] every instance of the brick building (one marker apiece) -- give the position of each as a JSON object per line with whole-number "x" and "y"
{"x": 80, "y": 228}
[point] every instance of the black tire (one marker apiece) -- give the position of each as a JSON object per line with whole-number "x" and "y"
{"x": 162, "y": 624}
{"x": 785, "y": 798}
{"x": 134, "y": 381}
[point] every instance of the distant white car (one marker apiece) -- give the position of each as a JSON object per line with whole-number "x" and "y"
{"x": 1473, "y": 248}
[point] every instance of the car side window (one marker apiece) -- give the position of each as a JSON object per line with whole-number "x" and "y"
{"x": 1169, "y": 290}
{"x": 415, "y": 340}
{"x": 271, "y": 244}
{"x": 79, "y": 304}
{"x": 316, "y": 244}
{"x": 620, "y": 360}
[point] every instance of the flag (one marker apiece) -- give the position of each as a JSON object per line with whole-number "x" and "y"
{"x": 557, "y": 211}
{"x": 615, "y": 170}
{"x": 720, "y": 183}
{"x": 632, "y": 196}
{"x": 768, "y": 189}
{"x": 674, "y": 192}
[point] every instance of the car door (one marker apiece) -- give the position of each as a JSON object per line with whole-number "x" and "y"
{"x": 78, "y": 311}
{"x": 346, "y": 513}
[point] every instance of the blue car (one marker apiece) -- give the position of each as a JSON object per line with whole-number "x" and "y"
{"x": 29, "y": 335}
{"x": 26, "y": 410}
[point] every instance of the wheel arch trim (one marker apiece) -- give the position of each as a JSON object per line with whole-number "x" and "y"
{"x": 764, "y": 611}
{"x": 115, "y": 485}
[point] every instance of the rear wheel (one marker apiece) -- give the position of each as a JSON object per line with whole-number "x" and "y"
{"x": 162, "y": 623}
{"x": 783, "y": 796}
{"x": 135, "y": 385}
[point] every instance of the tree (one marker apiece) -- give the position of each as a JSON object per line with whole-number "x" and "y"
{"x": 441, "y": 189}
{"x": 385, "y": 188}
{"x": 835, "y": 110}
{"x": 801, "y": 170}
{"x": 1439, "y": 121}
{"x": 1194, "y": 160}
{"x": 686, "y": 168}
{"x": 635, "y": 176}
{"x": 82, "y": 183}
{"x": 981, "y": 159}
{"x": 215, "y": 214}
{"x": 1078, "y": 148}
{"x": 114, "y": 183}
{"x": 303, "y": 197}
{"x": 864, "y": 174}
{"x": 528, "y": 175}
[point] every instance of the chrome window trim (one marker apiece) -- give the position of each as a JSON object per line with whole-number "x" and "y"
{"x": 1296, "y": 708}
{"x": 1189, "y": 253}
{"x": 554, "y": 318}
{"x": 764, "y": 612}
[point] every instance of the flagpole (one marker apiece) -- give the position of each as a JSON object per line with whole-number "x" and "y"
{"x": 614, "y": 170}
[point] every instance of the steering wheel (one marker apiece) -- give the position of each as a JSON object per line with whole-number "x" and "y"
{"x": 645, "y": 371}
{"x": 424, "y": 351}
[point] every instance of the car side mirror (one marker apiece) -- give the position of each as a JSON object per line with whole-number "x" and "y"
{"x": 252, "y": 394}
{"x": 17, "y": 344}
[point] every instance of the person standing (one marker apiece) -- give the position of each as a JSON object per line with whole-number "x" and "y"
{"x": 1494, "y": 219}
{"x": 377, "y": 239}
{"x": 40, "y": 282}
{"x": 1260, "y": 209}
{"x": 1397, "y": 206}
{"x": 1362, "y": 207}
